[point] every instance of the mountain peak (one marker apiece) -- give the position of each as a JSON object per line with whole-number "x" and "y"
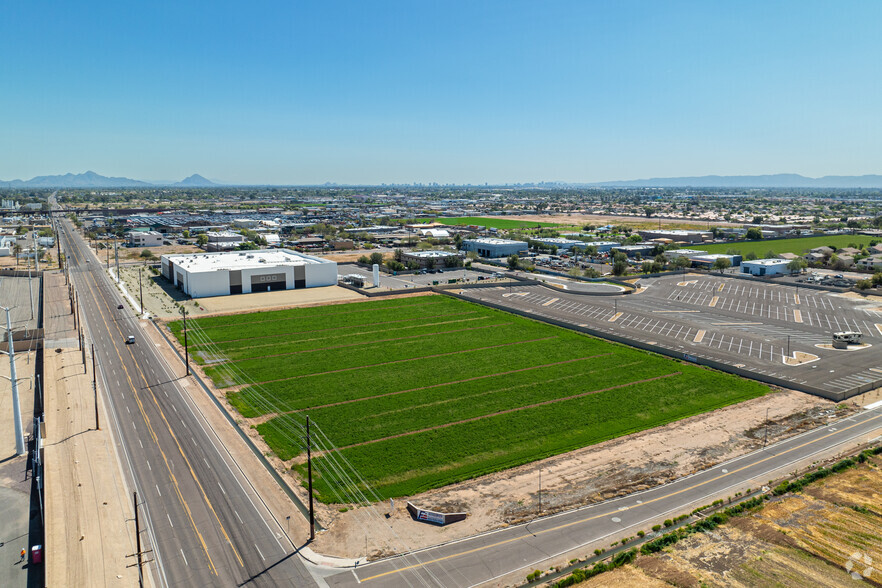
{"x": 195, "y": 181}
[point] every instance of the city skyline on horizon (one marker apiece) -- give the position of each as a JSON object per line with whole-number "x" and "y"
{"x": 497, "y": 93}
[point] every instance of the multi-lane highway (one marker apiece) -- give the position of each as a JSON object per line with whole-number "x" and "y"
{"x": 205, "y": 524}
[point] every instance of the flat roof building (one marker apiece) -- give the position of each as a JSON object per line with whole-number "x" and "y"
{"x": 240, "y": 272}
{"x": 560, "y": 243}
{"x": 765, "y": 267}
{"x": 602, "y": 246}
{"x": 709, "y": 259}
{"x": 145, "y": 238}
{"x": 433, "y": 258}
{"x": 687, "y": 253}
{"x": 677, "y": 235}
{"x": 492, "y": 247}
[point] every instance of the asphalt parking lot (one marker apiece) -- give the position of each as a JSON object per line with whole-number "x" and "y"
{"x": 745, "y": 324}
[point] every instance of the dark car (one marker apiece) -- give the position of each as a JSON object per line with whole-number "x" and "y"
{"x": 120, "y": 306}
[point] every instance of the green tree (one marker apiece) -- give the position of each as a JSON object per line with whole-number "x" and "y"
{"x": 147, "y": 255}
{"x": 397, "y": 254}
{"x": 514, "y": 261}
{"x": 797, "y": 265}
{"x": 722, "y": 264}
{"x": 646, "y": 267}
{"x": 751, "y": 255}
{"x": 593, "y": 273}
{"x": 620, "y": 264}
{"x": 753, "y": 234}
{"x": 376, "y": 258}
{"x": 682, "y": 262}
{"x": 202, "y": 239}
{"x": 635, "y": 238}
{"x": 864, "y": 284}
{"x": 185, "y": 234}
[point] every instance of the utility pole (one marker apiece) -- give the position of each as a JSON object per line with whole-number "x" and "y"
{"x": 141, "y": 287}
{"x": 76, "y": 312}
{"x": 95, "y": 388}
{"x": 16, "y": 406}
{"x": 186, "y": 354}
{"x": 766, "y": 438}
{"x": 83, "y": 350}
{"x": 138, "y": 553}
{"x": 116, "y": 254}
{"x": 309, "y": 477}
{"x": 540, "y": 491}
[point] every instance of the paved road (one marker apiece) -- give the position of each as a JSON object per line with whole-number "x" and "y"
{"x": 205, "y": 523}
{"x": 483, "y": 559}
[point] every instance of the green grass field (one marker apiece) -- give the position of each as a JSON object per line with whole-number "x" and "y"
{"x": 798, "y": 245}
{"x": 495, "y": 223}
{"x": 422, "y": 392}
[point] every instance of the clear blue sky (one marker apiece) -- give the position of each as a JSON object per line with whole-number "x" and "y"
{"x": 474, "y": 91}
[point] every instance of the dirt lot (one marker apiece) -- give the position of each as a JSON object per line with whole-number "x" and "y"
{"x": 821, "y": 537}
{"x": 599, "y": 472}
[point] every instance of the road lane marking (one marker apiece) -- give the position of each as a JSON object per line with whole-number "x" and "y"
{"x": 698, "y": 336}
{"x": 222, "y": 488}
{"x": 602, "y": 515}
{"x": 185, "y": 558}
{"x": 797, "y": 316}
{"x": 796, "y": 299}
{"x": 550, "y": 302}
{"x": 713, "y": 301}
{"x": 616, "y": 317}
{"x": 157, "y": 490}
{"x": 137, "y": 398}
{"x": 169, "y": 520}
{"x": 258, "y": 552}
{"x": 879, "y": 327}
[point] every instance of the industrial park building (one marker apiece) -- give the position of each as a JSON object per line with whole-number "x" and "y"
{"x": 560, "y": 243}
{"x": 433, "y": 258}
{"x": 491, "y": 247}
{"x": 765, "y": 267}
{"x": 677, "y": 235}
{"x": 240, "y": 272}
{"x": 145, "y": 239}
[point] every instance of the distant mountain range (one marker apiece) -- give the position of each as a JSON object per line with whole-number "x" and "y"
{"x": 92, "y": 180}
{"x": 766, "y": 181}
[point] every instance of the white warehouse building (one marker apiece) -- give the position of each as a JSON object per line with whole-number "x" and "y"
{"x": 765, "y": 267}
{"x": 241, "y": 272}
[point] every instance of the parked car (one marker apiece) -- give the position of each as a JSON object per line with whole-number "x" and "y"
{"x": 120, "y": 306}
{"x": 130, "y": 340}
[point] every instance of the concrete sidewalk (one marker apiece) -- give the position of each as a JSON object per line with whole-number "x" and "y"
{"x": 89, "y": 513}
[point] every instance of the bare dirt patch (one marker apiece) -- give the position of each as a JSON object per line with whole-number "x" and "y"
{"x": 816, "y": 538}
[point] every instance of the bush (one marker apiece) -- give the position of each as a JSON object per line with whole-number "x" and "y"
{"x": 534, "y": 576}
{"x": 656, "y": 528}
{"x": 669, "y": 523}
{"x": 641, "y": 534}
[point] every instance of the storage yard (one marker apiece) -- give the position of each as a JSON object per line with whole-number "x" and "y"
{"x": 452, "y": 390}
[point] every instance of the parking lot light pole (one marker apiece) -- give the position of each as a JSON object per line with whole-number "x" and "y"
{"x": 788, "y": 345}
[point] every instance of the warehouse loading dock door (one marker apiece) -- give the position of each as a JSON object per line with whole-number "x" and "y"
{"x": 267, "y": 282}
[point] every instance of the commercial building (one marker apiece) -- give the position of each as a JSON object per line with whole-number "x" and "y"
{"x": 677, "y": 235}
{"x": 144, "y": 238}
{"x": 240, "y": 272}
{"x": 560, "y": 243}
{"x": 765, "y": 267}
{"x": 709, "y": 259}
{"x": 687, "y": 253}
{"x": 602, "y": 246}
{"x": 492, "y": 247}
{"x": 223, "y": 240}
{"x": 634, "y": 250}
{"x": 431, "y": 258}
